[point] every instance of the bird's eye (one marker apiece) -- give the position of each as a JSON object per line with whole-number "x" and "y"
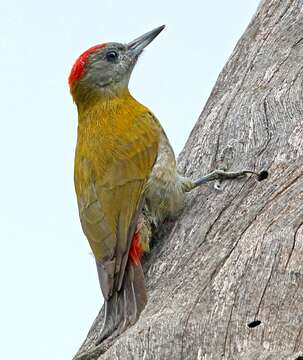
{"x": 111, "y": 56}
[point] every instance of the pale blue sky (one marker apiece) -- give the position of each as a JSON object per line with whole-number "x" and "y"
{"x": 49, "y": 289}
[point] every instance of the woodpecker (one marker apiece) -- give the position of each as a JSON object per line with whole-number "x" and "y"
{"x": 124, "y": 163}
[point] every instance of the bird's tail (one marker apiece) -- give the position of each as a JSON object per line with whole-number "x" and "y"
{"x": 124, "y": 307}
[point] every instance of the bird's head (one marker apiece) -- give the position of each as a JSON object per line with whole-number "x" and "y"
{"x": 106, "y": 68}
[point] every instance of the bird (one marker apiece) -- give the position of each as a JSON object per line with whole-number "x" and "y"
{"x": 125, "y": 175}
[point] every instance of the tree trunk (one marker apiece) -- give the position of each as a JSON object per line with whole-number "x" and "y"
{"x": 225, "y": 280}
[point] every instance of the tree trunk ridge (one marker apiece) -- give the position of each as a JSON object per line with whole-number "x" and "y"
{"x": 225, "y": 279}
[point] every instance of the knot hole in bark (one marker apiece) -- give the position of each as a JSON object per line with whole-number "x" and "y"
{"x": 254, "y": 324}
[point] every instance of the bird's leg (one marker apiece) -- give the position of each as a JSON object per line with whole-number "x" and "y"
{"x": 221, "y": 175}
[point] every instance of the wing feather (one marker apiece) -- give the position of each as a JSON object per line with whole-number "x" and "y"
{"x": 110, "y": 203}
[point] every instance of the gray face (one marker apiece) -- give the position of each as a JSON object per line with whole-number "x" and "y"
{"x": 110, "y": 66}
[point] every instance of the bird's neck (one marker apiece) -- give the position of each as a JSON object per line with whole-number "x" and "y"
{"x": 87, "y": 98}
{"x": 94, "y": 104}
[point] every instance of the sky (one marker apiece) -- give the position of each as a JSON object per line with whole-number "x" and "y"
{"x": 49, "y": 288}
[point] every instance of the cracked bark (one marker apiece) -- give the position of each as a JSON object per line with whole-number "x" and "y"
{"x": 234, "y": 256}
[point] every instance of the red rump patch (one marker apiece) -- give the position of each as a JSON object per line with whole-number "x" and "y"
{"x": 136, "y": 249}
{"x": 78, "y": 68}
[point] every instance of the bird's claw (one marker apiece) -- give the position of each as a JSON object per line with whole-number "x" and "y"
{"x": 221, "y": 175}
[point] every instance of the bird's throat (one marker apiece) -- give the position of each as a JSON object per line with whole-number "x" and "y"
{"x": 85, "y": 96}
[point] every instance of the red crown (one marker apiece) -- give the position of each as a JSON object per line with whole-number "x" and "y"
{"x": 79, "y": 65}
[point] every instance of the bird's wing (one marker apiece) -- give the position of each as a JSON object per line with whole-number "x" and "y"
{"x": 110, "y": 205}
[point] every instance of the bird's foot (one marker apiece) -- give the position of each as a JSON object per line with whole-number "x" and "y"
{"x": 220, "y": 175}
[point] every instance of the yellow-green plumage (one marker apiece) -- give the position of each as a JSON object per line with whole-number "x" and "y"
{"x": 116, "y": 150}
{"x": 123, "y": 163}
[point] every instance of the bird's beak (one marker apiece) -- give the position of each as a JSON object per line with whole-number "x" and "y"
{"x": 141, "y": 42}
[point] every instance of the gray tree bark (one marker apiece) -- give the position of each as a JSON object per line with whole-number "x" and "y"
{"x": 225, "y": 280}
